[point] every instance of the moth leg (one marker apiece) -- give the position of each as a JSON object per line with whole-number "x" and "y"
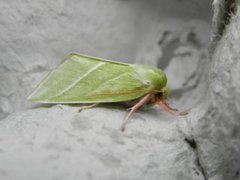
{"x": 167, "y": 104}
{"x": 87, "y": 107}
{"x": 166, "y": 107}
{"x": 133, "y": 109}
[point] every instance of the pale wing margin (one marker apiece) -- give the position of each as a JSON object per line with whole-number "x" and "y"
{"x": 72, "y": 55}
{"x": 85, "y": 79}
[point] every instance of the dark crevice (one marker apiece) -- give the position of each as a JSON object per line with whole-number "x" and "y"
{"x": 237, "y": 174}
{"x": 192, "y": 40}
{"x": 227, "y": 9}
{"x": 169, "y": 45}
{"x": 193, "y": 145}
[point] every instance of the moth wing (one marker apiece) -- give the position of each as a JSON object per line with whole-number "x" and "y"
{"x": 85, "y": 79}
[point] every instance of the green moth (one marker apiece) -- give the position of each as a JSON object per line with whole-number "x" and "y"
{"x": 86, "y": 79}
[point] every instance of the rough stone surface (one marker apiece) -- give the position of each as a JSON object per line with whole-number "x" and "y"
{"x": 217, "y": 132}
{"x": 58, "y": 142}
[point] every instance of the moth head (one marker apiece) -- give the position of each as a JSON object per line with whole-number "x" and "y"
{"x": 165, "y": 92}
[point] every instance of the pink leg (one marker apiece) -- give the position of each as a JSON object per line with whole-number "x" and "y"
{"x": 167, "y": 108}
{"x": 170, "y": 106}
{"x": 143, "y": 101}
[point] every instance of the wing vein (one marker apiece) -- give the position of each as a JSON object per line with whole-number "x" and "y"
{"x": 110, "y": 80}
{"x": 79, "y": 79}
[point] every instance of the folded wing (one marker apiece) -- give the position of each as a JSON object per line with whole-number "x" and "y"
{"x": 85, "y": 79}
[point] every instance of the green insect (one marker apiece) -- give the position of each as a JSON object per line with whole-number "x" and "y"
{"x": 85, "y": 79}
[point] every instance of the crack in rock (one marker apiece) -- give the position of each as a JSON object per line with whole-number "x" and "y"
{"x": 193, "y": 145}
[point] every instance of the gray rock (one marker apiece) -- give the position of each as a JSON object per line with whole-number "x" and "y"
{"x": 217, "y": 132}
{"x": 60, "y": 143}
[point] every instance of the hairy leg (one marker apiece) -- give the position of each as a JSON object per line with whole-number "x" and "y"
{"x": 133, "y": 109}
{"x": 167, "y": 108}
{"x": 166, "y": 103}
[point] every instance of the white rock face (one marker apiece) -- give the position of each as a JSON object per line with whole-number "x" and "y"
{"x": 58, "y": 142}
{"x": 217, "y": 131}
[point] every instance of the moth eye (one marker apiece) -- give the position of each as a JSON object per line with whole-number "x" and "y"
{"x": 146, "y": 83}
